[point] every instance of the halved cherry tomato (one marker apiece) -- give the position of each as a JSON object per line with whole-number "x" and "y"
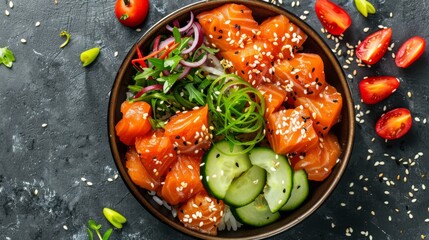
{"x": 335, "y": 19}
{"x": 131, "y": 13}
{"x": 376, "y": 89}
{"x": 373, "y": 47}
{"x": 394, "y": 124}
{"x": 410, "y": 51}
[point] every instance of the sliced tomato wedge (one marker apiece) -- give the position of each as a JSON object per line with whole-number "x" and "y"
{"x": 376, "y": 89}
{"x": 410, "y": 51}
{"x": 394, "y": 124}
{"x": 373, "y": 47}
{"x": 334, "y": 18}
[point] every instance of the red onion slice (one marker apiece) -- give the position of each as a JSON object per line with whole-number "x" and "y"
{"x": 164, "y": 43}
{"x": 198, "y": 38}
{"x": 185, "y": 28}
{"x": 156, "y": 43}
{"x": 185, "y": 72}
{"x": 194, "y": 64}
{"x": 147, "y": 89}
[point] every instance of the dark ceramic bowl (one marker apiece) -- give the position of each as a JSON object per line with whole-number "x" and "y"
{"x": 319, "y": 191}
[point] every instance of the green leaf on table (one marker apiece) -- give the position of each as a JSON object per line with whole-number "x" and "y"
{"x": 115, "y": 218}
{"x": 107, "y": 234}
{"x": 6, "y": 57}
{"x": 93, "y": 225}
{"x": 90, "y": 234}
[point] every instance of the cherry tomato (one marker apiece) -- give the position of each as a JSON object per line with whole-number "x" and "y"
{"x": 376, "y": 89}
{"x": 131, "y": 13}
{"x": 410, "y": 51}
{"x": 372, "y": 49}
{"x": 394, "y": 124}
{"x": 335, "y": 19}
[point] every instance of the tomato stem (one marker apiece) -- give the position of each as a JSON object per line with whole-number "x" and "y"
{"x": 127, "y": 2}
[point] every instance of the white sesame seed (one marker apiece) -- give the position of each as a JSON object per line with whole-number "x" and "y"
{"x": 366, "y": 29}
{"x": 36, "y": 191}
{"x": 110, "y": 179}
{"x": 115, "y": 53}
{"x": 89, "y": 183}
{"x": 37, "y": 24}
{"x": 116, "y": 176}
{"x": 65, "y": 227}
{"x": 138, "y": 29}
{"x": 6, "y": 12}
{"x": 83, "y": 179}
{"x": 10, "y": 4}
{"x": 23, "y": 40}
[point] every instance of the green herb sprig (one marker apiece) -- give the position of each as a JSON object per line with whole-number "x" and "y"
{"x": 93, "y": 226}
{"x": 67, "y": 36}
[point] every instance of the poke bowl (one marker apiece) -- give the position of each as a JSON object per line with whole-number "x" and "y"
{"x": 177, "y": 33}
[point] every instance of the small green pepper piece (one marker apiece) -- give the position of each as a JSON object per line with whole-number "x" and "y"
{"x": 115, "y": 218}
{"x": 88, "y": 56}
{"x": 67, "y": 36}
{"x": 361, "y": 7}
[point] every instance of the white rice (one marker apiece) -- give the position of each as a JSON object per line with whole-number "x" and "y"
{"x": 228, "y": 221}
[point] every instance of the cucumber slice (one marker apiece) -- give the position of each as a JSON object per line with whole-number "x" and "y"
{"x": 246, "y": 188}
{"x": 256, "y": 213}
{"x": 279, "y": 176}
{"x": 220, "y": 166}
{"x": 300, "y": 189}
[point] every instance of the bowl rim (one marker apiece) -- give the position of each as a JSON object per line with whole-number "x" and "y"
{"x": 346, "y": 151}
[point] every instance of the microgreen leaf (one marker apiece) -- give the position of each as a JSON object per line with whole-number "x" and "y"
{"x": 176, "y": 35}
{"x": 6, "y": 57}
{"x": 93, "y": 225}
{"x": 107, "y": 234}
{"x": 67, "y": 36}
{"x": 115, "y": 218}
{"x": 172, "y": 62}
{"x": 90, "y": 234}
{"x": 183, "y": 44}
{"x": 209, "y": 50}
{"x": 195, "y": 94}
{"x": 168, "y": 81}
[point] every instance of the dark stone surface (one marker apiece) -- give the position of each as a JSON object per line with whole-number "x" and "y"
{"x": 42, "y": 195}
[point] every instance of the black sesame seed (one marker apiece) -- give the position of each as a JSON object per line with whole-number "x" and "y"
{"x": 177, "y": 137}
{"x": 184, "y": 143}
{"x": 220, "y": 37}
{"x": 220, "y": 30}
{"x": 214, "y": 28}
{"x": 313, "y": 69}
{"x": 217, "y": 155}
{"x": 236, "y": 164}
{"x": 296, "y": 76}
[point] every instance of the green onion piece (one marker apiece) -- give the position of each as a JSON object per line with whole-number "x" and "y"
{"x": 67, "y": 36}
{"x": 115, "y": 218}
{"x": 236, "y": 111}
{"x": 364, "y": 7}
{"x": 370, "y": 8}
{"x": 88, "y": 56}
{"x": 361, "y": 7}
{"x": 6, "y": 57}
